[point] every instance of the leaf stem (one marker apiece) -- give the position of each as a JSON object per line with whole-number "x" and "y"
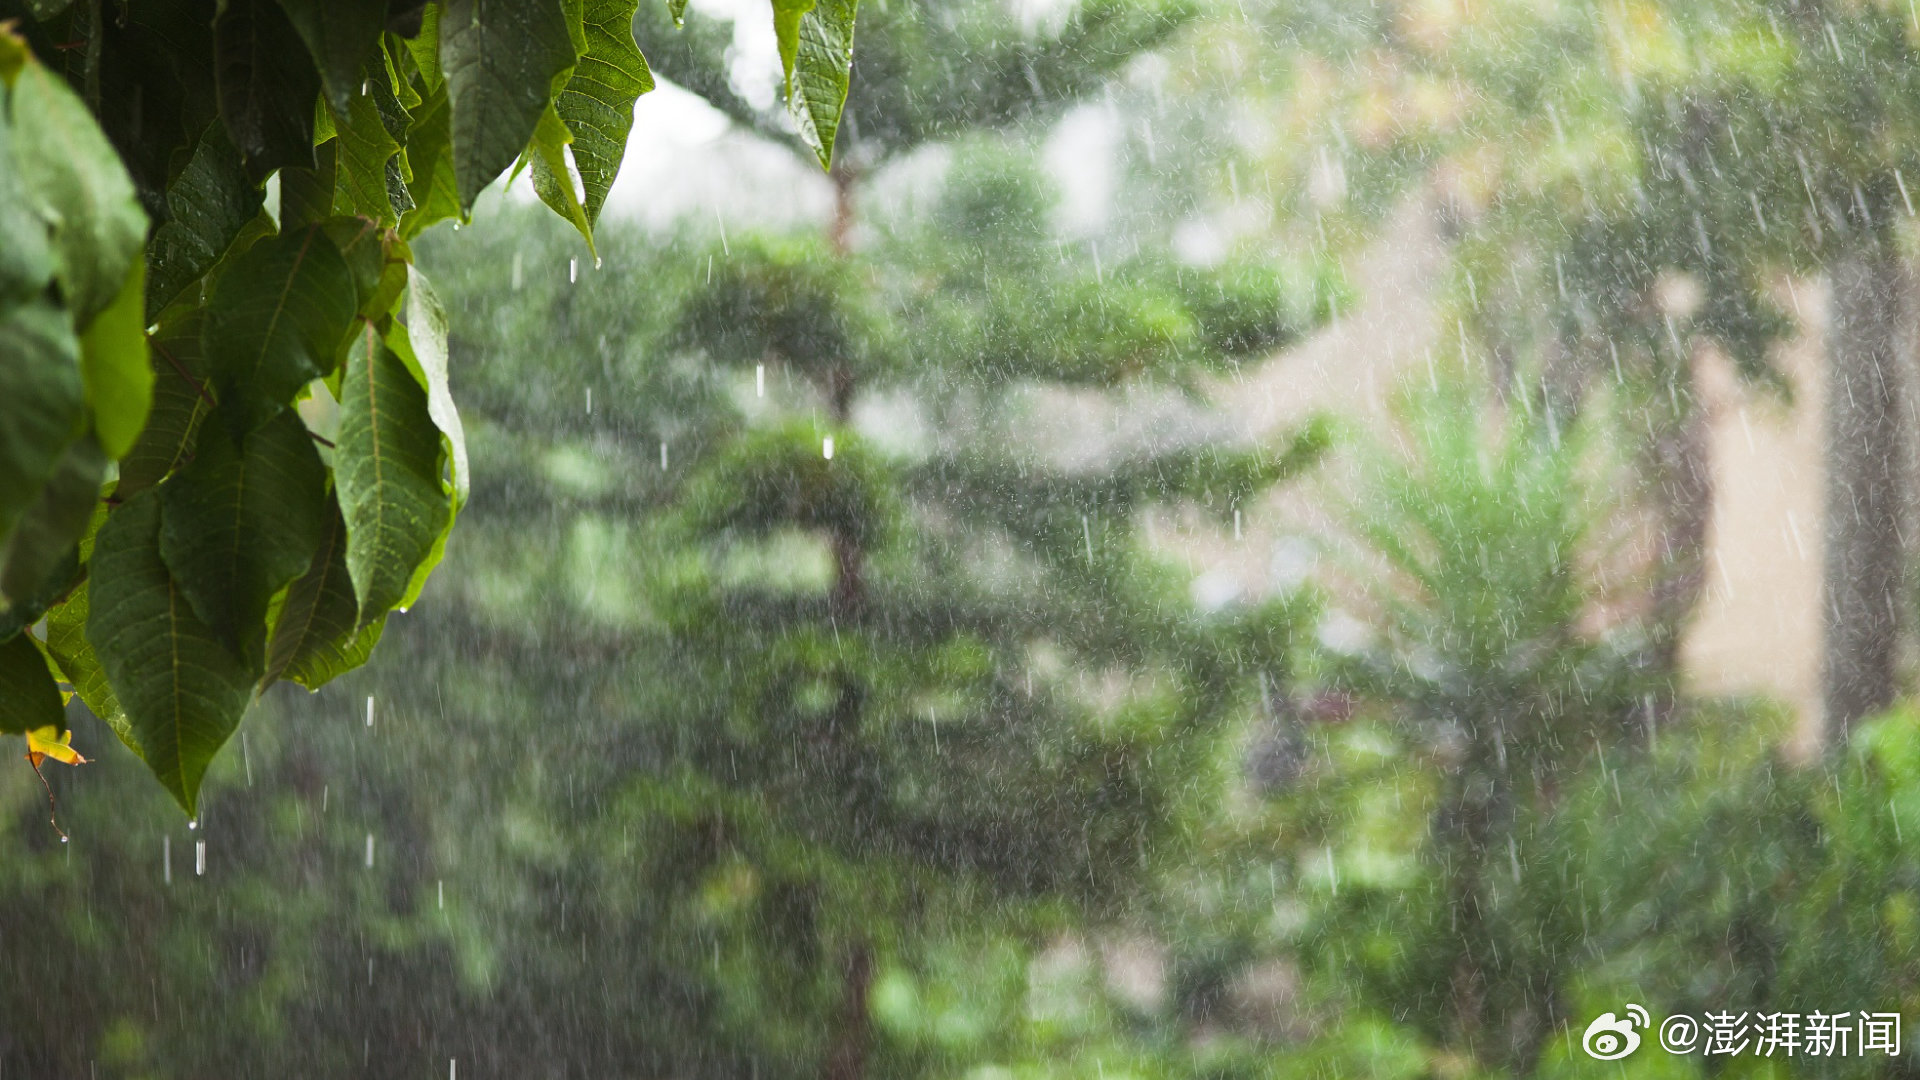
{"x": 182, "y": 369}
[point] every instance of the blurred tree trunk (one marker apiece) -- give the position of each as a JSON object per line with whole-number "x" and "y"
{"x": 1678, "y": 460}
{"x": 847, "y": 1056}
{"x": 1867, "y": 479}
{"x": 1477, "y": 805}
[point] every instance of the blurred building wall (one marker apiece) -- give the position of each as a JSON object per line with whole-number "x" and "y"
{"x": 1757, "y": 631}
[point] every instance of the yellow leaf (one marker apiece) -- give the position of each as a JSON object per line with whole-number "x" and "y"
{"x": 51, "y": 742}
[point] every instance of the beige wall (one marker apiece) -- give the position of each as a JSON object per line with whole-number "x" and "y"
{"x": 1757, "y": 630}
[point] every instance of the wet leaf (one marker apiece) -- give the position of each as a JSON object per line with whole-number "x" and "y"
{"x": 29, "y": 698}
{"x": 500, "y": 60}
{"x": 182, "y": 690}
{"x": 816, "y": 52}
{"x": 274, "y": 322}
{"x": 114, "y": 367}
{"x": 387, "y": 469}
{"x": 241, "y": 522}
{"x": 341, "y": 35}
{"x": 267, "y": 85}
{"x": 597, "y": 102}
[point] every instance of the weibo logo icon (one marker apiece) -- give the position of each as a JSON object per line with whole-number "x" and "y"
{"x": 1610, "y": 1038}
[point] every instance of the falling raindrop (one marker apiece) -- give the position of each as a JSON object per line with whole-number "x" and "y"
{"x": 663, "y": 455}
{"x": 199, "y": 858}
{"x": 369, "y": 710}
{"x": 1086, "y": 532}
{"x": 364, "y": 85}
{"x": 573, "y": 271}
{"x": 517, "y": 275}
{"x": 440, "y": 894}
{"x": 1236, "y": 524}
{"x": 826, "y": 448}
{"x": 369, "y": 851}
{"x": 193, "y": 823}
{"x": 324, "y": 788}
{"x": 166, "y": 859}
{"x": 759, "y": 380}
{"x": 589, "y": 401}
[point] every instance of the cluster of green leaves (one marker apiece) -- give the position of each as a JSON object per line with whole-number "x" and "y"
{"x": 228, "y": 437}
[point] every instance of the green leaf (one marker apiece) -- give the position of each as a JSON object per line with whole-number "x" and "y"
{"x": 554, "y": 179}
{"x": 387, "y": 471}
{"x": 26, "y": 259}
{"x": 183, "y": 692}
{"x": 78, "y": 189}
{"x": 341, "y": 35}
{"x": 786, "y": 32}
{"x": 400, "y": 69}
{"x": 429, "y": 153}
{"x": 359, "y": 244}
{"x": 30, "y": 606}
{"x": 424, "y": 47}
{"x": 29, "y": 698}
{"x": 114, "y": 367}
{"x": 597, "y": 102}
{"x": 317, "y": 636}
{"x": 422, "y": 343}
{"x": 147, "y": 72}
{"x": 180, "y": 400}
{"x": 208, "y": 204}
{"x": 274, "y": 322}
{"x": 241, "y": 522}
{"x": 42, "y": 408}
{"x": 816, "y": 52}
{"x": 67, "y": 644}
{"x": 43, "y": 542}
{"x": 307, "y": 194}
{"x": 364, "y": 145}
{"x": 500, "y": 59}
{"x": 677, "y": 9}
{"x": 267, "y": 86}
